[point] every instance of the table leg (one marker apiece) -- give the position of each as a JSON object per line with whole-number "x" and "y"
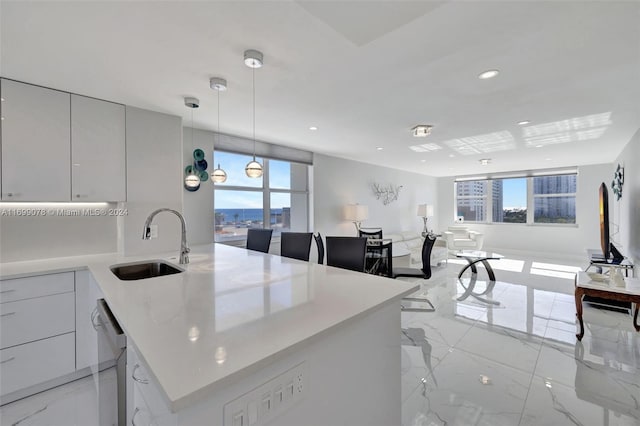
{"x": 489, "y": 269}
{"x": 635, "y": 317}
{"x": 471, "y": 265}
{"x": 578, "y": 294}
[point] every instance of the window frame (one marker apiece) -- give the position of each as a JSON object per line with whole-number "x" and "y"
{"x": 266, "y": 191}
{"x": 531, "y": 197}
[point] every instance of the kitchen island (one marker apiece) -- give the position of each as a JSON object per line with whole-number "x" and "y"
{"x": 236, "y": 320}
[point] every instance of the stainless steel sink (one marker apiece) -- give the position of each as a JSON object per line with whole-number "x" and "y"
{"x": 143, "y": 270}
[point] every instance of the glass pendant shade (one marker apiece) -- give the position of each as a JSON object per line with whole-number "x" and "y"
{"x": 253, "y": 169}
{"x": 219, "y": 175}
{"x": 191, "y": 180}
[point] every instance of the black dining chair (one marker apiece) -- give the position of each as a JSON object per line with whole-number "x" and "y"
{"x": 346, "y": 252}
{"x": 320, "y": 246}
{"x": 378, "y": 254}
{"x": 377, "y": 234}
{"x": 424, "y": 273}
{"x": 259, "y": 239}
{"x": 295, "y": 245}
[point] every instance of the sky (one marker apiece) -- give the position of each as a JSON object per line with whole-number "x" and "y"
{"x": 514, "y": 193}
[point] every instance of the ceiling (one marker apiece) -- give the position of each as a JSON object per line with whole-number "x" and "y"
{"x": 363, "y": 72}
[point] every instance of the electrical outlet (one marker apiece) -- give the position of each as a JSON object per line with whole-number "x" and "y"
{"x": 268, "y": 400}
{"x": 153, "y": 231}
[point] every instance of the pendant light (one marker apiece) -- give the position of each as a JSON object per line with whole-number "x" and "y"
{"x": 253, "y": 59}
{"x": 219, "y": 85}
{"x": 192, "y": 180}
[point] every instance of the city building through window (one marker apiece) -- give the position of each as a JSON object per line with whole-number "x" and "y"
{"x": 533, "y": 199}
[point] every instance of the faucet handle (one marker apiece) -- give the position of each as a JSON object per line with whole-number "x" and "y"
{"x": 146, "y": 233}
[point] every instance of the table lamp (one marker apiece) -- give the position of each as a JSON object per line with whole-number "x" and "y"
{"x": 425, "y": 211}
{"x": 356, "y": 213}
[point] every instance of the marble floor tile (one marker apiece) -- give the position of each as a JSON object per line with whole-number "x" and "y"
{"x": 592, "y": 402}
{"x": 71, "y": 404}
{"x": 419, "y": 359}
{"x": 505, "y": 346}
{"x": 471, "y": 390}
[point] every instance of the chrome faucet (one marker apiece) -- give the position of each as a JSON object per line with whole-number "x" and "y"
{"x": 184, "y": 250}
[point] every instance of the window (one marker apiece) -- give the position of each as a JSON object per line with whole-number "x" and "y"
{"x": 509, "y": 200}
{"x": 471, "y": 200}
{"x": 539, "y": 199}
{"x": 242, "y": 202}
{"x": 554, "y": 199}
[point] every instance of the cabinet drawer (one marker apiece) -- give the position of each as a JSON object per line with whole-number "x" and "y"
{"x": 147, "y": 386}
{"x": 30, "y": 287}
{"x": 32, "y": 363}
{"x": 33, "y": 319}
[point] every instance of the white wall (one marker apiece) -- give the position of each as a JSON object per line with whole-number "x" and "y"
{"x": 626, "y": 211}
{"x": 338, "y": 182}
{"x": 27, "y": 238}
{"x": 198, "y": 205}
{"x": 154, "y": 180}
{"x": 550, "y": 241}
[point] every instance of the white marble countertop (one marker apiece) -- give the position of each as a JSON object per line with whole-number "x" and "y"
{"x": 631, "y": 285}
{"x": 232, "y": 312}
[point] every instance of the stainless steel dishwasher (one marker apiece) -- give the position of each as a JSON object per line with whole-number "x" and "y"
{"x": 110, "y": 333}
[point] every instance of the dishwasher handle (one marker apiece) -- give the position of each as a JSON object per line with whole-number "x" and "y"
{"x": 110, "y": 327}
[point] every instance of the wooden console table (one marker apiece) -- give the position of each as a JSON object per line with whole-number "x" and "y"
{"x": 585, "y": 286}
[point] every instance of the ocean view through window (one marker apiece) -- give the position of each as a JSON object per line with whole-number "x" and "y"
{"x": 278, "y": 200}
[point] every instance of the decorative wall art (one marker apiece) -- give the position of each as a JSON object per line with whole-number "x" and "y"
{"x": 617, "y": 182}
{"x": 387, "y": 194}
{"x": 196, "y": 171}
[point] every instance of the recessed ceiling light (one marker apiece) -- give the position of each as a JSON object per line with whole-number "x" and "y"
{"x": 548, "y": 159}
{"x": 421, "y": 130}
{"x": 485, "y": 161}
{"x": 313, "y": 128}
{"x": 488, "y": 74}
{"x": 379, "y": 148}
{"x": 451, "y": 155}
{"x": 538, "y": 146}
{"x": 423, "y": 161}
{"x": 523, "y": 122}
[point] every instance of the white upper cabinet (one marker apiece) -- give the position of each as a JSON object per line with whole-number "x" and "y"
{"x": 98, "y": 167}
{"x": 36, "y": 151}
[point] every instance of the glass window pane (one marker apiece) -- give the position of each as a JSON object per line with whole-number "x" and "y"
{"x": 555, "y": 209}
{"x": 471, "y": 188}
{"x": 279, "y": 174}
{"x": 280, "y": 214}
{"x": 234, "y": 165}
{"x": 235, "y": 212}
{"x": 509, "y": 200}
{"x": 473, "y": 209}
{"x": 471, "y": 200}
{"x": 565, "y": 184}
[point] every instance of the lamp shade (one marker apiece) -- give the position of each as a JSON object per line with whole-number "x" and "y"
{"x": 425, "y": 210}
{"x": 356, "y": 212}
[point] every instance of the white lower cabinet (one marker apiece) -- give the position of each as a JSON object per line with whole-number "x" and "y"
{"x": 36, "y": 362}
{"x": 146, "y": 404}
{"x": 38, "y": 318}
{"x": 37, "y": 333}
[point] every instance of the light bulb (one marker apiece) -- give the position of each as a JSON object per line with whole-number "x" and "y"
{"x": 219, "y": 175}
{"x": 191, "y": 181}
{"x": 253, "y": 169}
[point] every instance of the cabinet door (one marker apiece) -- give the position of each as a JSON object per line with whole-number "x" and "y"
{"x": 97, "y": 150}
{"x": 36, "y": 149}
